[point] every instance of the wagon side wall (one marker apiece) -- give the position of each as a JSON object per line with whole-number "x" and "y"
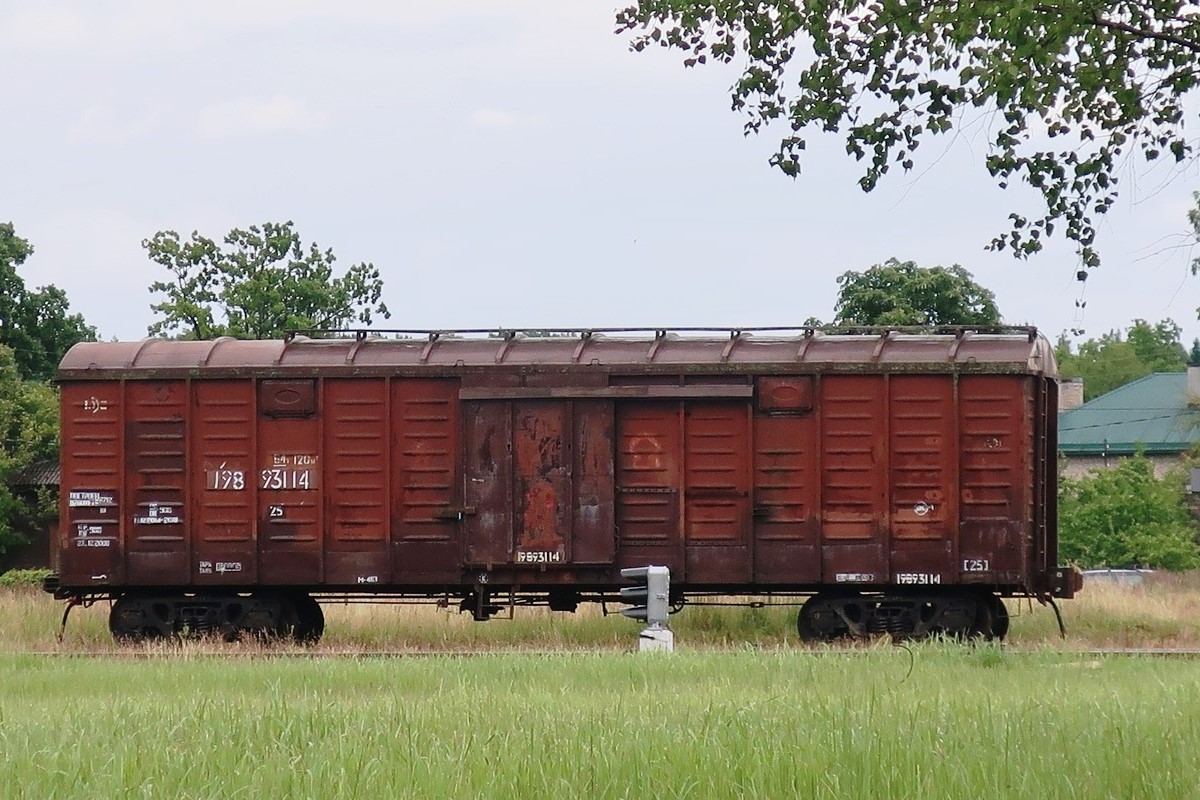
{"x": 735, "y": 481}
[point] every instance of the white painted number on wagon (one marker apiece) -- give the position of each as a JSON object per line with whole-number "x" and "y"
{"x": 280, "y": 478}
{"x": 539, "y": 557}
{"x": 86, "y": 499}
{"x": 209, "y": 567}
{"x": 94, "y": 405}
{"x": 918, "y": 578}
{"x": 226, "y": 480}
{"x": 289, "y": 471}
{"x": 976, "y": 565}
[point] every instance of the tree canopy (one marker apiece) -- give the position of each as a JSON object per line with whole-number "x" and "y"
{"x": 1117, "y": 358}
{"x": 902, "y": 293}
{"x": 36, "y": 324}
{"x": 1076, "y": 87}
{"x": 28, "y": 433}
{"x": 1125, "y": 517}
{"x": 262, "y": 283}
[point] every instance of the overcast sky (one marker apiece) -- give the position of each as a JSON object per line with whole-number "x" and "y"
{"x": 503, "y": 164}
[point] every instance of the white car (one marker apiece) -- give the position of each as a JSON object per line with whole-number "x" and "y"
{"x": 1116, "y": 577}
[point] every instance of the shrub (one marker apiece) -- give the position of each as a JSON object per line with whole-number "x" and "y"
{"x": 23, "y": 577}
{"x": 1125, "y": 516}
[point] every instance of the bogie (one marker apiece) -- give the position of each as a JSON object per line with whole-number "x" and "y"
{"x": 828, "y": 617}
{"x": 143, "y": 617}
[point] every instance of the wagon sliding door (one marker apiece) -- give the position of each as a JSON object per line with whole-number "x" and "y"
{"x": 538, "y": 482}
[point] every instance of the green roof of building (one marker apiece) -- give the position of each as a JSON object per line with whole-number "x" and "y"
{"x": 1151, "y": 413}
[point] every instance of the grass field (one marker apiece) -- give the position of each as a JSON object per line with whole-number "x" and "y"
{"x": 934, "y": 721}
{"x": 559, "y": 709}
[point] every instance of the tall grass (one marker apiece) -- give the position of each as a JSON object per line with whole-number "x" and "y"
{"x": 1163, "y": 613}
{"x": 933, "y": 721}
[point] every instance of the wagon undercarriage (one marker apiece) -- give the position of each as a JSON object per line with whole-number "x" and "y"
{"x": 293, "y": 614}
{"x": 148, "y": 616}
{"x": 829, "y": 617}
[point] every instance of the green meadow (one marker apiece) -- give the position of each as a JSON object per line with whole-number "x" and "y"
{"x": 931, "y": 721}
{"x": 556, "y": 706}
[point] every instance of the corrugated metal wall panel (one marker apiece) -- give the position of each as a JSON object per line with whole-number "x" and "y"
{"x": 356, "y": 461}
{"x": 648, "y": 478}
{"x": 853, "y": 445}
{"x": 995, "y": 424}
{"x": 156, "y": 548}
{"x": 786, "y": 499}
{"x": 90, "y": 493}
{"x": 853, "y": 479}
{"x": 290, "y": 523}
{"x": 426, "y": 480}
{"x": 224, "y": 483}
{"x": 717, "y": 491}
{"x": 716, "y": 473}
{"x": 923, "y": 485}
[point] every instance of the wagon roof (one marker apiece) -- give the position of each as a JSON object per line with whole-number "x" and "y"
{"x": 1005, "y": 349}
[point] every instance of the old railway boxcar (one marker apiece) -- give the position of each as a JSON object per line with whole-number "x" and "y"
{"x": 904, "y": 482}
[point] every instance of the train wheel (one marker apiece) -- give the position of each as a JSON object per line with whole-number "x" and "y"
{"x": 309, "y": 619}
{"x": 138, "y": 619}
{"x": 258, "y": 617}
{"x": 955, "y": 615}
{"x": 820, "y": 621}
{"x": 999, "y": 617}
{"x": 985, "y": 619}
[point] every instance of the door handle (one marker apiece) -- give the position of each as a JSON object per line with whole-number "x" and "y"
{"x": 452, "y": 512}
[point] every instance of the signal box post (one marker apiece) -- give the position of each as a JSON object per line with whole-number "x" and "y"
{"x": 651, "y": 604}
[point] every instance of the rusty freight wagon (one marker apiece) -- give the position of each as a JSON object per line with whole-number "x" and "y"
{"x": 902, "y": 482}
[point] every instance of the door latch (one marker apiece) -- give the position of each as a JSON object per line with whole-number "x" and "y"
{"x": 455, "y": 513}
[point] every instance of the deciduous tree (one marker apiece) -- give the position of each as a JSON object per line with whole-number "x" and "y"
{"x": 261, "y": 283}
{"x": 28, "y": 433}
{"x": 902, "y": 293}
{"x": 1117, "y": 358}
{"x": 36, "y": 324}
{"x": 1158, "y": 345}
{"x": 1075, "y": 88}
{"x": 1125, "y": 517}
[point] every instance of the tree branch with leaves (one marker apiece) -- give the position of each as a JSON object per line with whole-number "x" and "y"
{"x": 259, "y": 283}
{"x": 902, "y": 293}
{"x": 35, "y": 323}
{"x": 1076, "y": 87}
